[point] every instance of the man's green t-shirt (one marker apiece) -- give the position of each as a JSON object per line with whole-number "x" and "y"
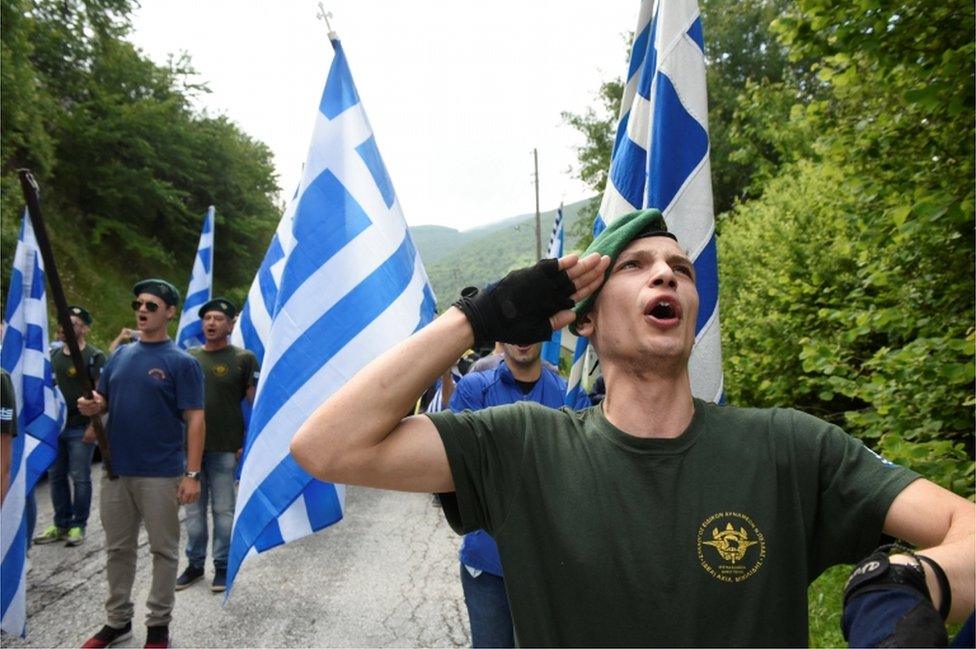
{"x": 70, "y": 383}
{"x": 708, "y": 539}
{"x": 227, "y": 374}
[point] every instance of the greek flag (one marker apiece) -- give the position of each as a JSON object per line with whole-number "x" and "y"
{"x": 200, "y": 291}
{"x": 253, "y": 328}
{"x": 349, "y": 284}
{"x": 40, "y": 416}
{"x": 551, "y": 348}
{"x": 660, "y": 159}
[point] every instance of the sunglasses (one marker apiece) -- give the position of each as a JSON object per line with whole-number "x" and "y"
{"x": 151, "y": 306}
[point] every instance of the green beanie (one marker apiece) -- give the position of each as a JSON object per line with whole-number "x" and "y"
{"x": 616, "y": 237}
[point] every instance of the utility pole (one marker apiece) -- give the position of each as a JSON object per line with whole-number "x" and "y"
{"x": 538, "y": 221}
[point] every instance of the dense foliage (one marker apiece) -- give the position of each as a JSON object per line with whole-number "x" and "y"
{"x": 842, "y": 160}
{"x": 127, "y": 167}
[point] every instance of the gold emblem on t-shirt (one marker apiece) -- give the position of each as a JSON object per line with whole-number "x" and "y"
{"x": 220, "y": 369}
{"x": 72, "y": 371}
{"x": 730, "y": 546}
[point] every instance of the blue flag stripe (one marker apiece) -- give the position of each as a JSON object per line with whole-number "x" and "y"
{"x": 680, "y": 144}
{"x": 324, "y": 204}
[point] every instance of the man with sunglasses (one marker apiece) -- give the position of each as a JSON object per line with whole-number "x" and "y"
{"x": 150, "y": 390}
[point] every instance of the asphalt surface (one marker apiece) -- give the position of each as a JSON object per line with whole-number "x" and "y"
{"x": 385, "y": 576}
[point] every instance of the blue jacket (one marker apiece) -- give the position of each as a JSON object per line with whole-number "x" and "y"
{"x": 497, "y": 387}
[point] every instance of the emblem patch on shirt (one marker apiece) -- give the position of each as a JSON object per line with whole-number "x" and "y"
{"x": 731, "y": 547}
{"x": 220, "y": 369}
{"x": 157, "y": 374}
{"x": 72, "y": 371}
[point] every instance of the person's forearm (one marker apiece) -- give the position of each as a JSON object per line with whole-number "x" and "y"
{"x": 364, "y": 411}
{"x": 956, "y": 556}
{"x": 195, "y": 435}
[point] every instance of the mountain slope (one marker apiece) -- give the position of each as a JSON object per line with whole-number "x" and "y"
{"x": 455, "y": 259}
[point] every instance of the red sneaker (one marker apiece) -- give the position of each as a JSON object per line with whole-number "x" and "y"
{"x": 108, "y": 636}
{"x": 157, "y": 637}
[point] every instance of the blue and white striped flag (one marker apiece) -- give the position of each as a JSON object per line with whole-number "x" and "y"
{"x": 551, "y": 348}
{"x": 40, "y": 416}
{"x": 350, "y": 286}
{"x": 660, "y": 159}
{"x": 200, "y": 291}
{"x": 253, "y": 328}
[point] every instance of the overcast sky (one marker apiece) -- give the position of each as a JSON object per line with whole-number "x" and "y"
{"x": 458, "y": 93}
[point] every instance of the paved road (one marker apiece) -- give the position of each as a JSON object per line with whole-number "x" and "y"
{"x": 386, "y": 576}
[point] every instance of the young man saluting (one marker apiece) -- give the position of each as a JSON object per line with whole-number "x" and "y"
{"x": 654, "y": 518}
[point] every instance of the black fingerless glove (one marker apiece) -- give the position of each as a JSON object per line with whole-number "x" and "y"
{"x": 517, "y": 309}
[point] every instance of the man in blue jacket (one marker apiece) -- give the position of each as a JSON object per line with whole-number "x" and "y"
{"x": 520, "y": 376}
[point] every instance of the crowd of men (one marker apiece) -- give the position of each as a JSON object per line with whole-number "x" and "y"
{"x": 175, "y": 432}
{"x": 651, "y": 518}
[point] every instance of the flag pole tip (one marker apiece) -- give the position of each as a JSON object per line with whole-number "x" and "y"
{"x": 325, "y": 16}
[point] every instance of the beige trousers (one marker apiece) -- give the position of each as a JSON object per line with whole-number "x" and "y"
{"x": 125, "y": 503}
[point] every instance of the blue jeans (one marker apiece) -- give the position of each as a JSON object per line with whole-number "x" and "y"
{"x": 216, "y": 487}
{"x": 488, "y": 610}
{"x": 74, "y": 459}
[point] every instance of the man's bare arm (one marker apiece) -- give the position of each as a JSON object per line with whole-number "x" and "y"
{"x": 358, "y": 437}
{"x": 943, "y": 525}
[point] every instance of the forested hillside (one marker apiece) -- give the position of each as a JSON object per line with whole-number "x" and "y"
{"x": 126, "y": 166}
{"x": 475, "y": 257}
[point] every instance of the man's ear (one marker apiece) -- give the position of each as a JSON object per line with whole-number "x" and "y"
{"x": 170, "y": 312}
{"x": 584, "y": 324}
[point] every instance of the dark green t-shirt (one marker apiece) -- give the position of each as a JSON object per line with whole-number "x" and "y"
{"x": 708, "y": 539}
{"x": 70, "y": 382}
{"x": 8, "y": 405}
{"x": 227, "y": 374}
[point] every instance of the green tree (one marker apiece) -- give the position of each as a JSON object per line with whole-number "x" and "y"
{"x": 127, "y": 166}
{"x": 859, "y": 252}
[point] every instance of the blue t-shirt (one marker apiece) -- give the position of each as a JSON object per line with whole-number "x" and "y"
{"x": 148, "y": 386}
{"x": 497, "y": 387}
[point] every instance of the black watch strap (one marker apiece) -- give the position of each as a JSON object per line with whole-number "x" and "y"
{"x": 945, "y": 590}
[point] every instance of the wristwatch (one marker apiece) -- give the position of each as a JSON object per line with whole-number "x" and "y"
{"x": 192, "y": 474}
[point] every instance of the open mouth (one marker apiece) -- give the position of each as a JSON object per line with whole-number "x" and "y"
{"x": 663, "y": 310}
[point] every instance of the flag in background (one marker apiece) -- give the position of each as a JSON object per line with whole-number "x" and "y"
{"x": 551, "y": 348}
{"x": 660, "y": 159}
{"x": 349, "y": 284}
{"x": 200, "y": 291}
{"x": 40, "y": 416}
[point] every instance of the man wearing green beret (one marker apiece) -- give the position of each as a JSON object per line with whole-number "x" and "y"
{"x": 230, "y": 376}
{"x": 653, "y": 518}
{"x": 153, "y": 394}
{"x": 74, "y": 456}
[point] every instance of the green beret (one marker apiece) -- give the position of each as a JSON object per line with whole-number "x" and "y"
{"x": 616, "y": 237}
{"x": 221, "y": 304}
{"x": 81, "y": 312}
{"x": 160, "y": 288}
